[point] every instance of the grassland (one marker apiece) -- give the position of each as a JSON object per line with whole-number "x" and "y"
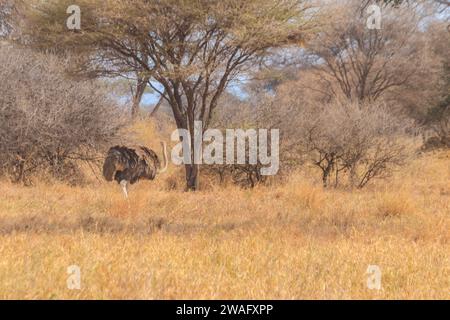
{"x": 290, "y": 241}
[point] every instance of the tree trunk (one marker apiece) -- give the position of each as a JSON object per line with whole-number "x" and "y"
{"x": 137, "y": 96}
{"x": 155, "y": 109}
{"x": 325, "y": 177}
{"x": 192, "y": 174}
{"x": 326, "y": 173}
{"x": 353, "y": 177}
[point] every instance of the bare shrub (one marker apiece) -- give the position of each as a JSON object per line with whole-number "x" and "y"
{"x": 260, "y": 111}
{"x": 438, "y": 116}
{"x": 7, "y": 9}
{"x": 358, "y": 141}
{"x": 48, "y": 121}
{"x": 438, "y": 123}
{"x": 350, "y": 142}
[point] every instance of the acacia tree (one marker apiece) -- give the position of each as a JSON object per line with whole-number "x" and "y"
{"x": 361, "y": 64}
{"x": 192, "y": 48}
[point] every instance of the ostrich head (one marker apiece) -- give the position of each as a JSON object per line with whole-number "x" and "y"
{"x": 114, "y": 162}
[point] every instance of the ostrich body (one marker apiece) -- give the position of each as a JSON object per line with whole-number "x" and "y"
{"x": 130, "y": 164}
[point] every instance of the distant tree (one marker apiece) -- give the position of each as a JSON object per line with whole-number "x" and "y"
{"x": 353, "y": 62}
{"x": 192, "y": 48}
{"x": 438, "y": 115}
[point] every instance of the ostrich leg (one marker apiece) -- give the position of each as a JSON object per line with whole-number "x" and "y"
{"x": 123, "y": 184}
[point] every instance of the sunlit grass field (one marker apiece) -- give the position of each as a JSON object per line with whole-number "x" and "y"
{"x": 288, "y": 241}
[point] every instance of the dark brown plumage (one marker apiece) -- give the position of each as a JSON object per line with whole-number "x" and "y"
{"x": 130, "y": 164}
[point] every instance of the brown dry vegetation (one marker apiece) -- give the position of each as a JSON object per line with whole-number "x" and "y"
{"x": 338, "y": 92}
{"x": 295, "y": 240}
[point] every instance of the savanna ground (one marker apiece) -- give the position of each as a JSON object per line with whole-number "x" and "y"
{"x": 290, "y": 241}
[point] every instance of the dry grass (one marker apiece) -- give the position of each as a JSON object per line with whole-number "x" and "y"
{"x": 286, "y": 242}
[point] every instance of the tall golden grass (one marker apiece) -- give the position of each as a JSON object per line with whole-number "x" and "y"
{"x": 290, "y": 241}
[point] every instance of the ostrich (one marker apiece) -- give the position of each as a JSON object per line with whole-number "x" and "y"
{"x": 130, "y": 164}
